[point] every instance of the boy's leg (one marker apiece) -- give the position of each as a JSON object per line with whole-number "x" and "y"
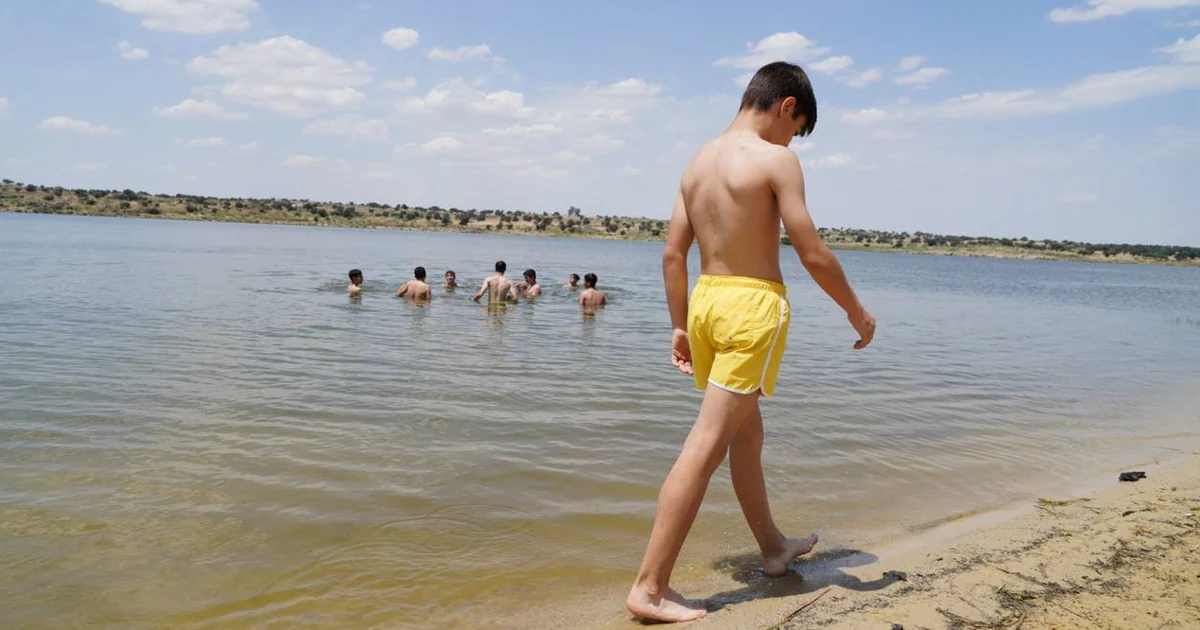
{"x": 721, "y": 414}
{"x": 745, "y": 467}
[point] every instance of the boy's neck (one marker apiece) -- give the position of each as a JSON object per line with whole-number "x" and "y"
{"x": 753, "y": 121}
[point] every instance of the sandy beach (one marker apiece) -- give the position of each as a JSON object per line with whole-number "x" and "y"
{"x": 1126, "y": 556}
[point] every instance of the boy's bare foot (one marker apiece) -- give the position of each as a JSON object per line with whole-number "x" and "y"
{"x": 776, "y": 564}
{"x": 671, "y": 607}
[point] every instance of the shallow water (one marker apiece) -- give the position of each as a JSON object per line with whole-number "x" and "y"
{"x": 198, "y": 428}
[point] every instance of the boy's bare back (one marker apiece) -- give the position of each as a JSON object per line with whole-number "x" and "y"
{"x": 729, "y": 194}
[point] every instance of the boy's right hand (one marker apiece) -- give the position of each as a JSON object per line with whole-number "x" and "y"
{"x": 864, "y": 325}
{"x": 681, "y": 352}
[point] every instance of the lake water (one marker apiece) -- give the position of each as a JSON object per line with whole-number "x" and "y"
{"x": 199, "y": 429}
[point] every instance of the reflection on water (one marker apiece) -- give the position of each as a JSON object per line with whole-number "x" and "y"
{"x": 201, "y": 429}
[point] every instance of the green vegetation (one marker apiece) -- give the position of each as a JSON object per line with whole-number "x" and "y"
{"x": 922, "y": 242}
{"x": 20, "y": 197}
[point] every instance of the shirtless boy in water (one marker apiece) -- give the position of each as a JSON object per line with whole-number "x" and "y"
{"x": 356, "y": 280}
{"x": 498, "y": 288}
{"x": 416, "y": 289}
{"x": 530, "y": 288}
{"x": 731, "y": 336}
{"x": 591, "y": 299}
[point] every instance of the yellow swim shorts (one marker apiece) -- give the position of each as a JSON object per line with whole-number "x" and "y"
{"x": 737, "y": 328}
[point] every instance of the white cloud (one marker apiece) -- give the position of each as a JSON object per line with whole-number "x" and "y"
{"x": 803, "y": 147}
{"x": 893, "y": 134}
{"x": 85, "y": 167}
{"x": 612, "y": 115}
{"x": 455, "y": 94}
{"x": 597, "y": 142}
{"x": 190, "y": 16}
{"x": 442, "y": 144}
{"x": 1094, "y": 92}
{"x": 864, "y": 78}
{"x": 631, "y": 170}
{"x": 18, "y": 162}
{"x": 379, "y": 173}
{"x": 864, "y": 117}
{"x": 73, "y": 125}
{"x": 400, "y": 85}
{"x": 778, "y": 47}
{"x": 1184, "y": 24}
{"x": 743, "y": 80}
{"x": 249, "y": 146}
{"x": 539, "y": 130}
{"x": 837, "y": 160}
{"x": 1184, "y": 50}
{"x": 924, "y": 76}
{"x": 5, "y": 106}
{"x": 630, "y": 87}
{"x": 481, "y": 52}
{"x": 284, "y": 75}
{"x": 1078, "y": 198}
{"x": 205, "y": 143}
{"x": 401, "y": 38}
{"x": 351, "y": 127}
{"x": 910, "y": 63}
{"x": 1099, "y": 9}
{"x": 131, "y": 52}
{"x": 567, "y": 155}
{"x": 302, "y": 160}
{"x": 192, "y": 108}
{"x": 832, "y": 65}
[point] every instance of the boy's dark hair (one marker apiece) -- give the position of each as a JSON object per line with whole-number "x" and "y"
{"x": 575, "y": 277}
{"x": 589, "y": 281}
{"x": 419, "y": 273}
{"x": 355, "y": 273}
{"x": 529, "y": 273}
{"x": 501, "y": 266}
{"x": 450, "y": 272}
{"x": 777, "y": 81}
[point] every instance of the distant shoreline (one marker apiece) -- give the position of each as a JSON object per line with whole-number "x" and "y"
{"x": 30, "y": 199}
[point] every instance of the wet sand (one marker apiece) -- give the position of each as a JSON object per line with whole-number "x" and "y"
{"x": 1125, "y": 557}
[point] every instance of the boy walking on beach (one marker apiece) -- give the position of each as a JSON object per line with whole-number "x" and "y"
{"x": 731, "y": 337}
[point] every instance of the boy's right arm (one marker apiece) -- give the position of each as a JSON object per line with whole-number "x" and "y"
{"x": 822, "y": 265}
{"x": 675, "y": 276}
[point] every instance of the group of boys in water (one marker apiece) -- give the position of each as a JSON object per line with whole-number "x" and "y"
{"x": 498, "y": 289}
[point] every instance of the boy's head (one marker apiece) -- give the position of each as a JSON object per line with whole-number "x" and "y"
{"x": 589, "y": 281}
{"x": 501, "y": 267}
{"x": 574, "y": 279}
{"x": 530, "y": 276}
{"x": 451, "y": 276}
{"x": 356, "y": 277}
{"x": 419, "y": 273}
{"x": 783, "y": 89}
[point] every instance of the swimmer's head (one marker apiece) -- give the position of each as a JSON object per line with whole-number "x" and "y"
{"x": 501, "y": 266}
{"x": 574, "y": 278}
{"x": 356, "y": 277}
{"x": 451, "y": 276}
{"x": 531, "y": 276}
{"x": 589, "y": 281}
{"x": 419, "y": 273}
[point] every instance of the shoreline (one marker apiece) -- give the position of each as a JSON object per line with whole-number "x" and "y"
{"x": 1010, "y": 253}
{"x": 1124, "y": 556}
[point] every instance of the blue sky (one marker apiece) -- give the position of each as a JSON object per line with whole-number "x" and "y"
{"x": 1069, "y": 119}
